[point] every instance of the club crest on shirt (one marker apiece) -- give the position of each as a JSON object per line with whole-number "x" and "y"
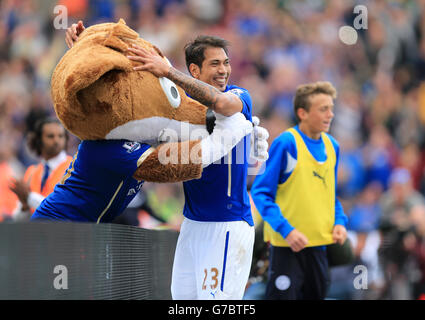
{"x": 236, "y": 91}
{"x": 131, "y": 146}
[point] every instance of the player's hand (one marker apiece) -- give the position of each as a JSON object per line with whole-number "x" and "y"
{"x": 150, "y": 60}
{"x": 297, "y": 240}
{"x": 259, "y": 144}
{"x": 339, "y": 234}
{"x": 73, "y": 32}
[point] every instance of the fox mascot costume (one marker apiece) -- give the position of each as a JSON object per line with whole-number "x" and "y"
{"x": 120, "y": 115}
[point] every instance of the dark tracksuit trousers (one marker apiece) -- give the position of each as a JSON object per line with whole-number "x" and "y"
{"x": 302, "y": 275}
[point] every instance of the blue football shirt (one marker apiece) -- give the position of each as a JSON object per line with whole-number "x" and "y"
{"x": 98, "y": 185}
{"x": 221, "y": 192}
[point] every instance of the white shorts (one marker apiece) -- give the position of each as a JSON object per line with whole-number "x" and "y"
{"x": 212, "y": 260}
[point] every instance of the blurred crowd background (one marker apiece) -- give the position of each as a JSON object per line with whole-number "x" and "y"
{"x": 275, "y": 46}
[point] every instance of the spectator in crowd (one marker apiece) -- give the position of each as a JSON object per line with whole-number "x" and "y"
{"x": 48, "y": 142}
{"x": 396, "y": 204}
{"x": 378, "y": 156}
{"x": 8, "y": 171}
{"x": 414, "y": 243}
{"x": 363, "y": 232}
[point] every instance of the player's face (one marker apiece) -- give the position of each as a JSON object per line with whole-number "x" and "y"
{"x": 319, "y": 117}
{"x": 215, "y": 68}
{"x": 53, "y": 140}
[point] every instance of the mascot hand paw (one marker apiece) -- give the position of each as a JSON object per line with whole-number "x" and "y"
{"x": 259, "y": 144}
{"x": 228, "y": 131}
{"x": 236, "y": 126}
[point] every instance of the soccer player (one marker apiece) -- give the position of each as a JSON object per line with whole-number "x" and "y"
{"x": 48, "y": 141}
{"x": 296, "y": 198}
{"x": 214, "y": 249}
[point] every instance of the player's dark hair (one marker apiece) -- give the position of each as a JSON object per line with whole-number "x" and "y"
{"x": 194, "y": 51}
{"x": 305, "y": 91}
{"x": 35, "y": 142}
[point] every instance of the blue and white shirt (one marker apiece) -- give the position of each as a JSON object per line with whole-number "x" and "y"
{"x": 98, "y": 184}
{"x": 221, "y": 192}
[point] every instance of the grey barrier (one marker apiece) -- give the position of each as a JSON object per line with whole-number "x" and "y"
{"x": 81, "y": 261}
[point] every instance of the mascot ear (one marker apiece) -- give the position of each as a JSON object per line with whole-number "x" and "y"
{"x": 99, "y": 49}
{"x": 118, "y": 35}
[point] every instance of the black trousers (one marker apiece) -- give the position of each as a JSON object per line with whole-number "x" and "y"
{"x": 300, "y": 275}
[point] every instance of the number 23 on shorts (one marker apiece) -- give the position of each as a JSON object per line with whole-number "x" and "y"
{"x": 212, "y": 276}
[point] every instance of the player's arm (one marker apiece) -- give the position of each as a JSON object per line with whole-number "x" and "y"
{"x": 225, "y": 103}
{"x": 339, "y": 232}
{"x": 73, "y": 32}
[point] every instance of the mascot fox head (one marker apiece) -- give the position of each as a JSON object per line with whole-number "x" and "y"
{"x": 97, "y": 95}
